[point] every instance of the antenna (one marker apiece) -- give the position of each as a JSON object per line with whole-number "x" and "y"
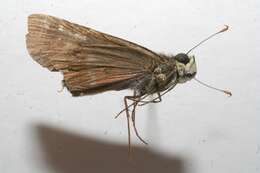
{"x": 217, "y": 89}
{"x": 209, "y": 37}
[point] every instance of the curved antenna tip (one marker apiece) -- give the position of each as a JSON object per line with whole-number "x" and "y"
{"x": 228, "y": 93}
{"x": 224, "y": 29}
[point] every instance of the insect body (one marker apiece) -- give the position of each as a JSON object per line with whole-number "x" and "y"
{"x": 93, "y": 62}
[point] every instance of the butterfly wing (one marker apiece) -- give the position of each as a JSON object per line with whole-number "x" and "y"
{"x": 90, "y": 61}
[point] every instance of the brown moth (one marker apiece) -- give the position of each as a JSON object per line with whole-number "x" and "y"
{"x": 93, "y": 62}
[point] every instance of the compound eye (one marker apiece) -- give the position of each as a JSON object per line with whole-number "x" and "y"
{"x": 182, "y": 58}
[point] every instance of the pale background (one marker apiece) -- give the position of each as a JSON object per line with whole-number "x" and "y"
{"x": 194, "y": 129}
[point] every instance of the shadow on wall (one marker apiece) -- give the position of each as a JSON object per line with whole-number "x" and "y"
{"x": 66, "y": 152}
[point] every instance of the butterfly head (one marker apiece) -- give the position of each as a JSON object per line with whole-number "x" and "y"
{"x": 186, "y": 67}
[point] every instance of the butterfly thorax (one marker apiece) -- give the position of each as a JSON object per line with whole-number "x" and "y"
{"x": 162, "y": 77}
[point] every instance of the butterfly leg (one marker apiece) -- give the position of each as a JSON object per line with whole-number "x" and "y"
{"x": 155, "y": 100}
{"x": 128, "y": 124}
{"x": 132, "y": 98}
{"x": 137, "y": 100}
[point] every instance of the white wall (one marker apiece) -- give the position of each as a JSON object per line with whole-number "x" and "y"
{"x": 194, "y": 129}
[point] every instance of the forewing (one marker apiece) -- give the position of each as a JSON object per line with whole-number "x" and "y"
{"x": 88, "y": 59}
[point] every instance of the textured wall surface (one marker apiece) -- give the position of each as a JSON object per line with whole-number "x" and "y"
{"x": 194, "y": 129}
